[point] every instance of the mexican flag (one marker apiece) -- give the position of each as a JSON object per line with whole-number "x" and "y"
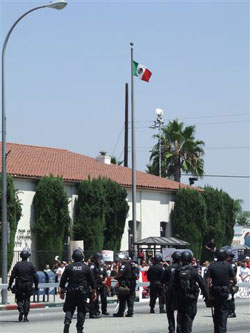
{"x": 141, "y": 71}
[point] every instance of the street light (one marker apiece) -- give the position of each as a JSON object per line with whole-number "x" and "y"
{"x": 54, "y": 5}
{"x": 158, "y": 124}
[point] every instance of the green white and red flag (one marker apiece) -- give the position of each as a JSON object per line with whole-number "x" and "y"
{"x": 141, "y": 71}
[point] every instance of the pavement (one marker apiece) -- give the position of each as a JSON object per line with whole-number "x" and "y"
{"x": 50, "y": 320}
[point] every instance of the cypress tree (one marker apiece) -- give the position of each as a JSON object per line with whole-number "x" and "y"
{"x": 115, "y": 214}
{"x": 89, "y": 221}
{"x": 52, "y": 218}
{"x": 221, "y": 217}
{"x": 14, "y": 212}
{"x": 189, "y": 218}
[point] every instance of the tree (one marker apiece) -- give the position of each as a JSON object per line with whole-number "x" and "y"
{"x": 89, "y": 221}
{"x": 115, "y": 214}
{"x": 180, "y": 152}
{"x": 242, "y": 217}
{"x": 114, "y": 160}
{"x": 221, "y": 218}
{"x": 14, "y": 212}
{"x": 189, "y": 218}
{"x": 52, "y": 220}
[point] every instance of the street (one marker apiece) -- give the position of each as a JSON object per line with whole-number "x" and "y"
{"x": 51, "y": 320}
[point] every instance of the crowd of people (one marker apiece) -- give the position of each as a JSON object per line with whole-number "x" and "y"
{"x": 176, "y": 283}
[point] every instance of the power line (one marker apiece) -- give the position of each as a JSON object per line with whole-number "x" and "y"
{"x": 198, "y": 117}
{"x": 219, "y": 176}
{"x": 118, "y": 140}
{"x": 210, "y": 123}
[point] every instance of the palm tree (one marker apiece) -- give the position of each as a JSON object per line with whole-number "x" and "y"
{"x": 180, "y": 152}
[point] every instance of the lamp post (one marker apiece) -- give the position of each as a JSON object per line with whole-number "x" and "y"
{"x": 158, "y": 124}
{"x": 54, "y": 5}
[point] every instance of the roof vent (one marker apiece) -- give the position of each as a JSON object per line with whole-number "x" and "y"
{"x": 103, "y": 157}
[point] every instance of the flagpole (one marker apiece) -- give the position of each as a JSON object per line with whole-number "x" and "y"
{"x": 133, "y": 153}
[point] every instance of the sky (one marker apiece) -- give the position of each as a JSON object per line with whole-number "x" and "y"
{"x": 66, "y": 73}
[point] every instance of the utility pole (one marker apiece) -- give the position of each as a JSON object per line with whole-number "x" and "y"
{"x": 126, "y": 127}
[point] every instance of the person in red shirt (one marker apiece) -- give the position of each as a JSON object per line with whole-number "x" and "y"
{"x": 248, "y": 261}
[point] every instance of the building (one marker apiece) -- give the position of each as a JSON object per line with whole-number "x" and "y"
{"x": 241, "y": 236}
{"x": 27, "y": 164}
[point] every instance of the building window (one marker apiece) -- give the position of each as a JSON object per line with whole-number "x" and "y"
{"x": 138, "y": 230}
{"x": 163, "y": 229}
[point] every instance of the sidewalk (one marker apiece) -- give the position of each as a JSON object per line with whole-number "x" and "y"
{"x": 41, "y": 304}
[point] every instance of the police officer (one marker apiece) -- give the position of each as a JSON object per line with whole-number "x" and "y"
{"x": 24, "y": 274}
{"x": 98, "y": 272}
{"x": 219, "y": 276}
{"x": 170, "y": 299}
{"x": 80, "y": 279}
{"x": 187, "y": 282}
{"x": 156, "y": 289}
{"x": 102, "y": 289}
{"x": 124, "y": 282}
{"x": 229, "y": 258}
{"x": 135, "y": 272}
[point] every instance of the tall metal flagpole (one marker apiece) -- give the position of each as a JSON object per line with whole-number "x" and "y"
{"x": 133, "y": 153}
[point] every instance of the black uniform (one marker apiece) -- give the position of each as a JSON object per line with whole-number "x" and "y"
{"x": 24, "y": 274}
{"x": 221, "y": 273}
{"x": 187, "y": 282}
{"x": 231, "y": 312}
{"x": 100, "y": 274}
{"x": 156, "y": 289}
{"x": 170, "y": 297}
{"x": 131, "y": 298}
{"x": 79, "y": 278}
{"x": 124, "y": 280}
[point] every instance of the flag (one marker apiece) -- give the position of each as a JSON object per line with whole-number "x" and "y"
{"x": 141, "y": 71}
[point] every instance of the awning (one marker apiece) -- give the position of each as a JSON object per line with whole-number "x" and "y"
{"x": 162, "y": 241}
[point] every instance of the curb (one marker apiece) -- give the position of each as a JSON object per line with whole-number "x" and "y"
{"x": 32, "y": 306}
{"x": 40, "y": 305}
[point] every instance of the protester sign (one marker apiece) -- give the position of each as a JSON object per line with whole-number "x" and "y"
{"x": 108, "y": 255}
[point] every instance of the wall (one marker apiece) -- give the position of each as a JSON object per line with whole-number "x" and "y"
{"x": 152, "y": 207}
{"x": 241, "y": 235}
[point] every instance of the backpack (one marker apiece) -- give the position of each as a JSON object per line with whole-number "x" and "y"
{"x": 184, "y": 282}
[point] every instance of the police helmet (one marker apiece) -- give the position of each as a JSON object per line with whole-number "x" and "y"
{"x": 97, "y": 256}
{"x": 221, "y": 254}
{"x": 176, "y": 256}
{"x": 77, "y": 254}
{"x": 187, "y": 256}
{"x": 157, "y": 258}
{"x": 25, "y": 253}
{"x": 229, "y": 253}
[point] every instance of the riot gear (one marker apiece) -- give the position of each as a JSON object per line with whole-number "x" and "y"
{"x": 221, "y": 254}
{"x": 186, "y": 256}
{"x": 77, "y": 255}
{"x": 157, "y": 258}
{"x": 176, "y": 256}
{"x": 79, "y": 278}
{"x": 24, "y": 274}
{"x": 96, "y": 256}
{"x": 25, "y": 253}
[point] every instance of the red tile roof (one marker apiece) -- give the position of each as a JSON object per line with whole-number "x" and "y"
{"x": 35, "y": 162}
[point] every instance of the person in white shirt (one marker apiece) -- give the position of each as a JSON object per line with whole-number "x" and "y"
{"x": 244, "y": 272}
{"x": 60, "y": 271}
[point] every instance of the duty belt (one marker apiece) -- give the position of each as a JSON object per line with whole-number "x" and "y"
{"x": 76, "y": 288}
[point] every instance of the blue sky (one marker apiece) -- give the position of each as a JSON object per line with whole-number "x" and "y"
{"x": 66, "y": 71}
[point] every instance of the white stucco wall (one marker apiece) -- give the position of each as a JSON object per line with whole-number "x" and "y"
{"x": 152, "y": 208}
